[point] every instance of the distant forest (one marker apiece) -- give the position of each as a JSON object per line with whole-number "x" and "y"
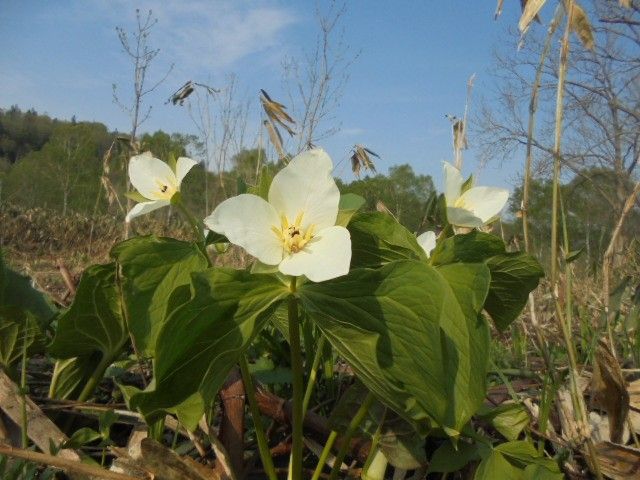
{"x": 80, "y": 167}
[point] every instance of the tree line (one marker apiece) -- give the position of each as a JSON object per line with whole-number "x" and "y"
{"x": 80, "y": 167}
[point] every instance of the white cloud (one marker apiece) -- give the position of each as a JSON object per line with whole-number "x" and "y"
{"x": 208, "y": 34}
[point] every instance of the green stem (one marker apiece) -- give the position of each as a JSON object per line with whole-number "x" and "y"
{"x": 23, "y": 393}
{"x": 313, "y": 375}
{"x": 263, "y": 444}
{"x": 324, "y": 454}
{"x": 96, "y": 376}
{"x": 351, "y": 429}
{"x": 295, "y": 467}
{"x": 373, "y": 464}
{"x": 196, "y": 226}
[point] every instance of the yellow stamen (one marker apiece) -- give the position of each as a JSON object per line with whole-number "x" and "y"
{"x": 292, "y": 236}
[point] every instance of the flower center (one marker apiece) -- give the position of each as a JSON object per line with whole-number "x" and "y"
{"x": 460, "y": 203}
{"x": 293, "y": 237}
{"x": 166, "y": 189}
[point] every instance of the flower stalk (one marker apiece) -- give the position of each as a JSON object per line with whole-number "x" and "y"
{"x": 261, "y": 437}
{"x": 295, "y": 466}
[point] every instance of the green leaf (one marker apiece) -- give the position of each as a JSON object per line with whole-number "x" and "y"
{"x": 24, "y": 315}
{"x": 350, "y": 203}
{"x": 136, "y": 197}
{"x": 16, "y": 291}
{"x": 470, "y": 247}
{"x": 523, "y": 454}
{"x": 513, "y": 277}
{"x": 70, "y": 375}
{"x": 19, "y": 328}
{"x": 539, "y": 472}
{"x": 468, "y": 183}
{"x": 497, "y": 466}
{"x": 105, "y": 420}
{"x": 510, "y": 419}
{"x": 377, "y": 239}
{"x": 81, "y": 437}
{"x": 94, "y": 321}
{"x": 93, "y": 327}
{"x": 573, "y": 255}
{"x": 241, "y": 186}
{"x": 448, "y": 458}
{"x": 202, "y": 339}
{"x": 470, "y": 284}
{"x": 264, "y": 183}
{"x": 151, "y": 269}
{"x": 406, "y": 336}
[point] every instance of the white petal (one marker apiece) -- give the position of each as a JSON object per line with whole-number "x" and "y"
{"x": 306, "y": 185}
{"x": 484, "y": 202}
{"x": 452, "y": 183}
{"x": 145, "y": 207}
{"x": 463, "y": 218}
{"x": 427, "y": 241}
{"x": 183, "y": 165}
{"x": 326, "y": 256}
{"x": 149, "y": 175}
{"x": 247, "y": 220}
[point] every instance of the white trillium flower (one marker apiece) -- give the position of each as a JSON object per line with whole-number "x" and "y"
{"x": 296, "y": 228}
{"x": 475, "y": 207}
{"x": 155, "y": 181}
{"x": 427, "y": 241}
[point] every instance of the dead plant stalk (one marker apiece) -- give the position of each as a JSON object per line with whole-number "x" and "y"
{"x": 565, "y": 321}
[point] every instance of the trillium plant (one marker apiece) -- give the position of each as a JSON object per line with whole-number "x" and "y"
{"x": 409, "y": 314}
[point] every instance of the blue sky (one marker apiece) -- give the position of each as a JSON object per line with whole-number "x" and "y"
{"x": 62, "y": 57}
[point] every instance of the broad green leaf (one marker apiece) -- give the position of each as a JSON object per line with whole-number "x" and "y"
{"x": 470, "y": 284}
{"x": 513, "y": 277}
{"x": 519, "y": 451}
{"x": 94, "y": 321}
{"x": 93, "y": 330}
{"x": 151, "y": 269}
{"x": 523, "y": 454}
{"x": 70, "y": 375}
{"x": 470, "y": 247}
{"x": 350, "y": 203}
{"x": 509, "y": 419}
{"x": 18, "y": 329}
{"x": 448, "y": 458}
{"x": 377, "y": 239}
{"x": 16, "y": 291}
{"x": 539, "y": 472}
{"x": 497, "y": 466}
{"x": 202, "y": 339}
{"x": 404, "y": 333}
